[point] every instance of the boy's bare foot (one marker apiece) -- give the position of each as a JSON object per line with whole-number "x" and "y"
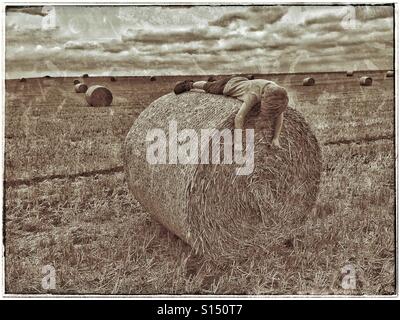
{"x": 183, "y": 86}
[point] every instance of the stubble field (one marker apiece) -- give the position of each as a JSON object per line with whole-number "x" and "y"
{"x": 67, "y": 204}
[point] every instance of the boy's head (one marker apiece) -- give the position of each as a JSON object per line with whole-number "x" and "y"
{"x": 274, "y": 98}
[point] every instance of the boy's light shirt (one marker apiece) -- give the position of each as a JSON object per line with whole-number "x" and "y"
{"x": 241, "y": 87}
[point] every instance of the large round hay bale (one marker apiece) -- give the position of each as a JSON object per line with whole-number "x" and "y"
{"x": 98, "y": 96}
{"x": 85, "y": 75}
{"x": 349, "y": 73}
{"x": 76, "y": 81}
{"x": 113, "y": 79}
{"x": 217, "y": 212}
{"x": 81, "y": 88}
{"x": 308, "y": 81}
{"x": 389, "y": 74}
{"x": 366, "y": 81}
{"x": 153, "y": 78}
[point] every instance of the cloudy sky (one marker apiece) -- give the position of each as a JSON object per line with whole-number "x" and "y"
{"x": 134, "y": 40}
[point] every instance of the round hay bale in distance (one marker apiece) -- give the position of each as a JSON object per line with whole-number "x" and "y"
{"x": 211, "y": 79}
{"x": 76, "y": 81}
{"x": 349, "y": 73}
{"x": 85, "y": 75}
{"x": 98, "y": 96}
{"x": 366, "y": 81}
{"x": 250, "y": 76}
{"x": 113, "y": 79}
{"x": 153, "y": 78}
{"x": 308, "y": 81}
{"x": 217, "y": 212}
{"x": 389, "y": 74}
{"x": 80, "y": 88}
{"x": 22, "y": 80}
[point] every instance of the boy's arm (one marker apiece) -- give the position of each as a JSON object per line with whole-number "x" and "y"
{"x": 277, "y": 130}
{"x": 249, "y": 102}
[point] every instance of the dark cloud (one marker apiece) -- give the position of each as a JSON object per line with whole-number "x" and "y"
{"x": 114, "y": 49}
{"x": 115, "y": 46}
{"x": 292, "y": 32}
{"x": 366, "y": 13}
{"x": 34, "y": 10}
{"x": 330, "y": 27}
{"x": 324, "y": 18}
{"x": 322, "y": 45}
{"x": 228, "y": 18}
{"x": 81, "y": 45}
{"x": 170, "y": 35}
{"x": 257, "y": 16}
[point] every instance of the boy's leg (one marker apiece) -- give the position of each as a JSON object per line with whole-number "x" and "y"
{"x": 199, "y": 85}
{"x": 187, "y": 85}
{"x": 214, "y": 87}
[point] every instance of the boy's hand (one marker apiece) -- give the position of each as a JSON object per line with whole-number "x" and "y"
{"x": 239, "y": 120}
{"x": 275, "y": 144}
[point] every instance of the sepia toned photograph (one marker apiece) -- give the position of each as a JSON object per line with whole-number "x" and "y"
{"x": 199, "y": 149}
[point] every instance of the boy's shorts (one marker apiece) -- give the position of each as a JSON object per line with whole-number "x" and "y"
{"x": 216, "y": 87}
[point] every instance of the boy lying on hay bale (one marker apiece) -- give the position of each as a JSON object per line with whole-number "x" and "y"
{"x": 272, "y": 98}
{"x": 227, "y": 216}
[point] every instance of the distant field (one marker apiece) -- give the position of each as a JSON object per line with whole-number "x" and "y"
{"x": 67, "y": 203}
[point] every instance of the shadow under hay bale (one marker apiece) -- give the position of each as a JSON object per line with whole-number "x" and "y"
{"x": 153, "y": 78}
{"x": 366, "y": 81}
{"x": 349, "y": 73}
{"x": 308, "y": 81}
{"x": 85, "y": 75}
{"x": 81, "y": 88}
{"x": 219, "y": 213}
{"x": 113, "y": 79}
{"x": 389, "y": 74}
{"x": 47, "y": 77}
{"x": 99, "y": 96}
{"x": 76, "y": 81}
